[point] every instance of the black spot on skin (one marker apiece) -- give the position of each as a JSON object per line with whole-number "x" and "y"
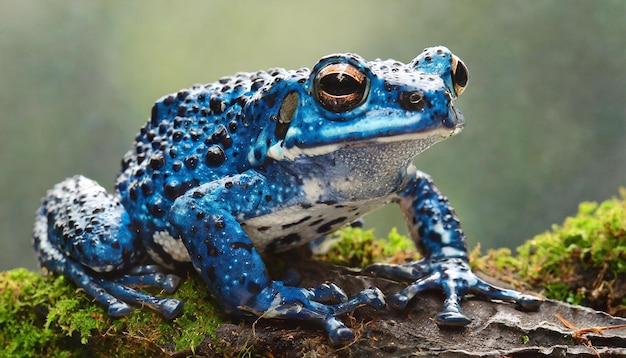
{"x": 140, "y": 158}
{"x": 191, "y": 162}
{"x": 197, "y": 194}
{"x": 172, "y": 190}
{"x": 304, "y": 219}
{"x": 195, "y": 135}
{"x": 329, "y": 225}
{"x": 257, "y": 84}
{"x": 182, "y": 95}
{"x": 132, "y": 193}
{"x": 211, "y": 249}
{"x": 157, "y": 209}
{"x": 316, "y": 222}
{"x": 210, "y": 272}
{"x": 157, "y": 162}
{"x": 169, "y": 100}
{"x": 241, "y": 245}
{"x": 283, "y": 241}
{"x": 182, "y": 110}
{"x": 154, "y": 116}
{"x": 270, "y": 100}
{"x": 232, "y": 126}
{"x": 268, "y": 198}
{"x": 215, "y": 156}
{"x": 220, "y": 224}
{"x": 263, "y": 228}
{"x": 177, "y": 136}
{"x": 253, "y": 287}
{"x": 227, "y": 141}
{"x": 216, "y": 105}
{"x": 147, "y": 188}
{"x": 435, "y": 236}
{"x": 220, "y": 131}
{"x": 125, "y": 163}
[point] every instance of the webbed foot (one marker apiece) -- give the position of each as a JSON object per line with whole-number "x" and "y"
{"x": 116, "y": 295}
{"x": 285, "y": 302}
{"x": 454, "y": 277}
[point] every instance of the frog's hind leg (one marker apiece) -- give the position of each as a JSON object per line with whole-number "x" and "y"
{"x": 84, "y": 233}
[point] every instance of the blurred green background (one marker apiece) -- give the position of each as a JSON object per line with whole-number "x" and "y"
{"x": 546, "y": 119}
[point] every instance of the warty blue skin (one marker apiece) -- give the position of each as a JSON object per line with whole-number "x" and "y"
{"x": 262, "y": 162}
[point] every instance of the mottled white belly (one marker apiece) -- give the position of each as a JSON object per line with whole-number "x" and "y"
{"x": 295, "y": 226}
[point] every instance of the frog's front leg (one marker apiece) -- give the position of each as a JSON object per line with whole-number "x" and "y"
{"x": 437, "y": 234}
{"x": 208, "y": 220}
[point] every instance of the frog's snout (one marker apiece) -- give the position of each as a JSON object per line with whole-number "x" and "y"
{"x": 458, "y": 121}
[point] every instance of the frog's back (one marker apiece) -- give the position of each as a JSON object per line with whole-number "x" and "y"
{"x": 195, "y": 136}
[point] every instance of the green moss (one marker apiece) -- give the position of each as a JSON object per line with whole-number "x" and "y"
{"x": 355, "y": 247}
{"x": 582, "y": 261}
{"x": 49, "y": 317}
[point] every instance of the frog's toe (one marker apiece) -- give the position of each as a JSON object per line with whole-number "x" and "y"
{"x": 452, "y": 319}
{"x": 522, "y": 300}
{"x": 118, "y": 309}
{"x": 401, "y": 299}
{"x": 372, "y": 297}
{"x": 329, "y": 292}
{"x": 168, "y": 307}
{"x": 338, "y": 333}
{"x": 398, "y": 301}
{"x": 529, "y": 302}
{"x": 407, "y": 272}
{"x": 167, "y": 282}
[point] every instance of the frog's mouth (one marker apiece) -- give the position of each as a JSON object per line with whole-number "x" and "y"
{"x": 422, "y": 140}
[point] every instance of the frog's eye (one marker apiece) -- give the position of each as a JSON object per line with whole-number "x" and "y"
{"x": 340, "y": 87}
{"x": 460, "y": 75}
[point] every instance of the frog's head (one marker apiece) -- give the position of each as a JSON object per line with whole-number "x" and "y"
{"x": 347, "y": 102}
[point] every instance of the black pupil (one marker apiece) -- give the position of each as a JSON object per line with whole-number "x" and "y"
{"x": 339, "y": 84}
{"x": 460, "y": 75}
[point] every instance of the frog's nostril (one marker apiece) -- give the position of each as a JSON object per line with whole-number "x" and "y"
{"x": 411, "y": 100}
